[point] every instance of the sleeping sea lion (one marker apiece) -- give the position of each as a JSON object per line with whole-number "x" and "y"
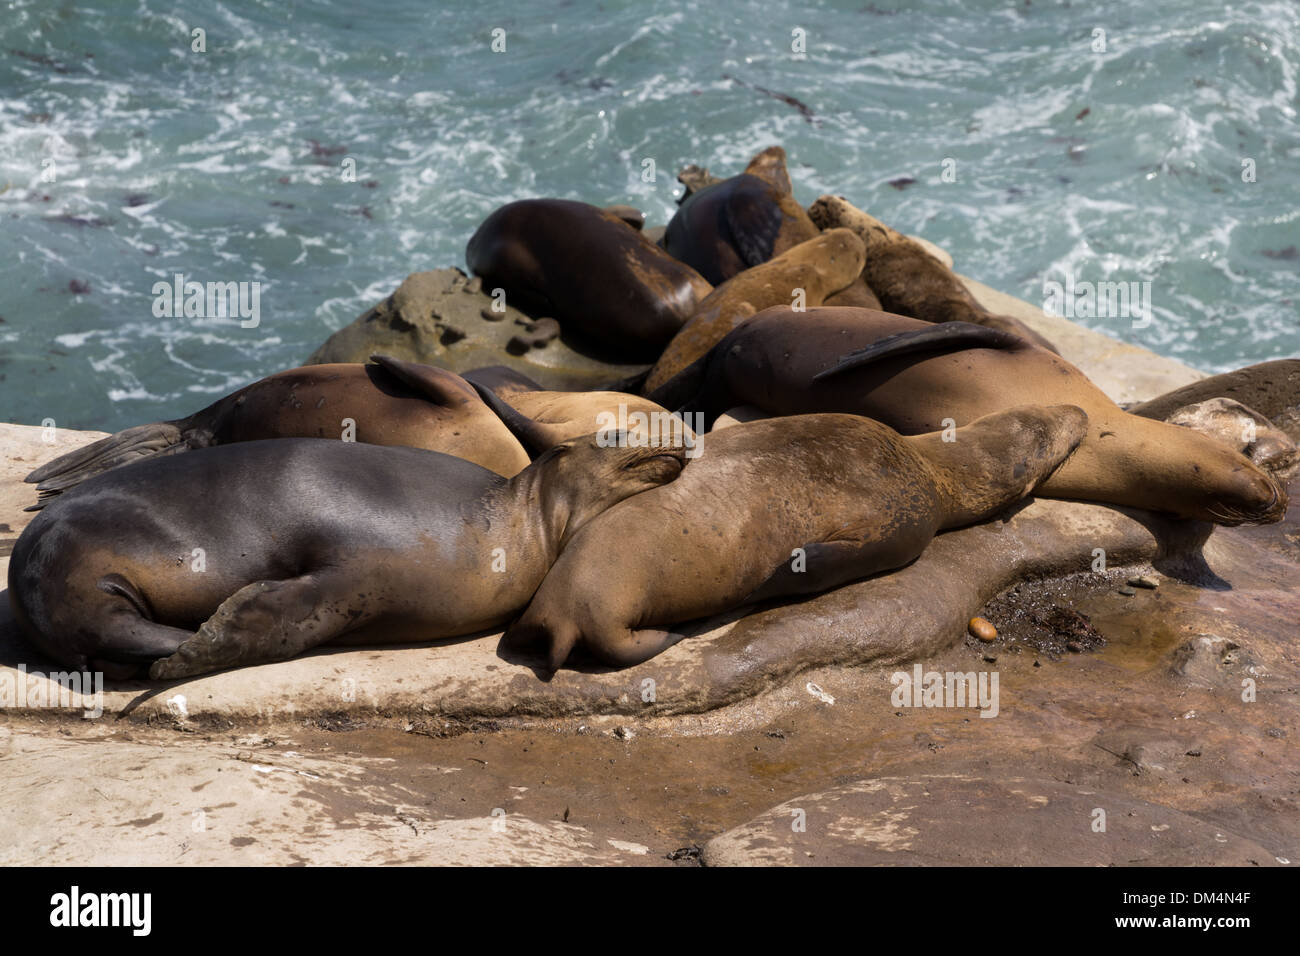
{"x": 734, "y": 224}
{"x": 818, "y": 267}
{"x": 908, "y": 279}
{"x": 914, "y": 377}
{"x": 301, "y": 542}
{"x": 776, "y": 508}
{"x": 391, "y": 402}
{"x": 586, "y": 267}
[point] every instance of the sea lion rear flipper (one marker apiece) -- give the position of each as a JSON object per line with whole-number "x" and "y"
{"x": 129, "y": 445}
{"x": 534, "y": 436}
{"x": 943, "y": 337}
{"x": 439, "y": 385}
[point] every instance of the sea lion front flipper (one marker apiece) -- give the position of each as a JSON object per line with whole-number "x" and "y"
{"x": 262, "y": 622}
{"x": 533, "y": 435}
{"x": 943, "y": 337}
{"x": 438, "y": 385}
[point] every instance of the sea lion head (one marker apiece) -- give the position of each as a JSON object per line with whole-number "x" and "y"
{"x": 1242, "y": 494}
{"x": 584, "y": 476}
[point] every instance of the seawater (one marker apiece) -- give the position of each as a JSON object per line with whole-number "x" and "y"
{"x": 126, "y": 156}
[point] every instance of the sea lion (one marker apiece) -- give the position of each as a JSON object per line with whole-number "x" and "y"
{"x": 303, "y": 542}
{"x": 909, "y": 280}
{"x": 722, "y": 228}
{"x": 913, "y": 376}
{"x": 390, "y": 402}
{"x": 601, "y": 279}
{"x": 1270, "y": 388}
{"x": 819, "y": 267}
{"x": 1245, "y": 430}
{"x": 777, "y": 508}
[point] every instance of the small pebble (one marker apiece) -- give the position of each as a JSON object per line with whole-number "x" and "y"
{"x": 1075, "y": 646}
{"x": 982, "y": 629}
{"x": 1144, "y": 581}
{"x": 1127, "y": 592}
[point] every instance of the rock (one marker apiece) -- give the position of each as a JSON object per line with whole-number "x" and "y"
{"x": 1127, "y": 591}
{"x": 966, "y": 820}
{"x": 1270, "y": 388}
{"x": 444, "y": 318}
{"x": 1208, "y": 660}
{"x": 1146, "y": 749}
{"x": 982, "y": 630}
{"x": 1242, "y": 429}
{"x": 1144, "y": 581}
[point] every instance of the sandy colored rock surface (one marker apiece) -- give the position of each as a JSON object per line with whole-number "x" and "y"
{"x": 966, "y": 820}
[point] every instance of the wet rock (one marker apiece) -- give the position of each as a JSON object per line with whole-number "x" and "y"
{"x": 966, "y": 820}
{"x": 1242, "y": 429}
{"x": 445, "y": 318}
{"x": 1208, "y": 660}
{"x": 1145, "y": 749}
{"x": 1144, "y": 581}
{"x": 1127, "y": 591}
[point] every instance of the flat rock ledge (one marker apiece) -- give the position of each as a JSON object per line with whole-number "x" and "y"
{"x": 971, "y": 820}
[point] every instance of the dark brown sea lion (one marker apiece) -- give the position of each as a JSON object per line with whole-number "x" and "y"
{"x": 907, "y": 279}
{"x": 391, "y": 402}
{"x": 777, "y": 508}
{"x": 734, "y": 224}
{"x": 587, "y": 268}
{"x": 819, "y": 267}
{"x": 917, "y": 377}
{"x": 302, "y": 542}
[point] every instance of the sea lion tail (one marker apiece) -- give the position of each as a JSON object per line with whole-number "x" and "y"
{"x": 130, "y": 445}
{"x": 943, "y": 337}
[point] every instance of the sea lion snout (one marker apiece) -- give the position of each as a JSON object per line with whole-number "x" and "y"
{"x": 1256, "y": 499}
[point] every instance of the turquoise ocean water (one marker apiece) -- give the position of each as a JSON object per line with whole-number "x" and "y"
{"x": 127, "y": 157}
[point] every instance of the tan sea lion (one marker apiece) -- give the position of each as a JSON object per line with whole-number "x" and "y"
{"x": 302, "y": 542}
{"x": 390, "y": 402}
{"x": 723, "y": 227}
{"x": 917, "y": 378}
{"x": 777, "y": 508}
{"x": 909, "y": 280}
{"x": 819, "y": 267}
{"x": 585, "y": 267}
